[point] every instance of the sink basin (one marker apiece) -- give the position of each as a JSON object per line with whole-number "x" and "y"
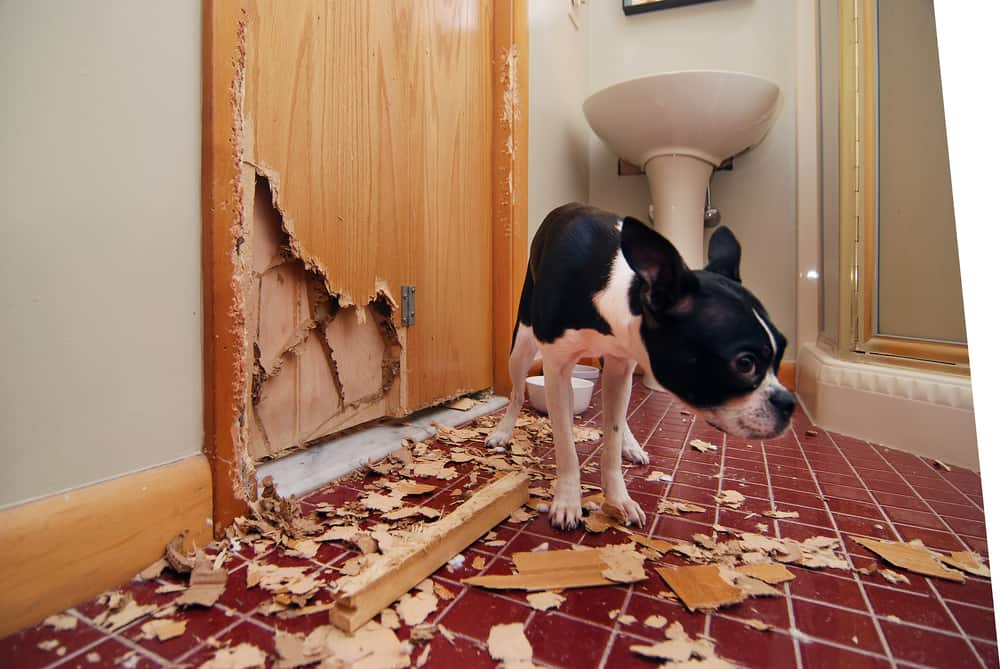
{"x": 679, "y": 126}
{"x": 705, "y": 114}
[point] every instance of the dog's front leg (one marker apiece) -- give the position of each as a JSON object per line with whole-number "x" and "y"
{"x": 614, "y": 390}
{"x": 566, "y": 511}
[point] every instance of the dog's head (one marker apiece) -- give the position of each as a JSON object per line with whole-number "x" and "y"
{"x": 709, "y": 340}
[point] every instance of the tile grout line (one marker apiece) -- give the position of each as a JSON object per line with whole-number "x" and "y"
{"x": 934, "y": 590}
{"x": 903, "y": 623}
{"x": 615, "y": 629}
{"x": 843, "y": 544}
{"x": 718, "y": 494}
{"x": 796, "y": 645}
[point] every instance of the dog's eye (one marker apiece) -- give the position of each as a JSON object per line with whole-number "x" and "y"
{"x": 745, "y": 364}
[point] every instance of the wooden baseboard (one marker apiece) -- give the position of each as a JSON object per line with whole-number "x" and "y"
{"x": 65, "y": 549}
{"x": 786, "y": 374}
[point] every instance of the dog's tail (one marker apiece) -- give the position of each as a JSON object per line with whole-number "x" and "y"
{"x": 524, "y": 307}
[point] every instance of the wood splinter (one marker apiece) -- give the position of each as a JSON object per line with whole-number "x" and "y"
{"x": 362, "y": 597}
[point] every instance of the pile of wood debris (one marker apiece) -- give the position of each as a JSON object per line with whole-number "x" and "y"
{"x": 401, "y": 541}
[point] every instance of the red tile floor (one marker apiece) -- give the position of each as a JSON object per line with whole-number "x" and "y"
{"x": 840, "y": 486}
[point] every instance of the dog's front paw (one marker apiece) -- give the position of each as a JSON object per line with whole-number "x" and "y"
{"x": 500, "y": 437}
{"x": 565, "y": 512}
{"x": 632, "y": 451}
{"x": 625, "y": 509}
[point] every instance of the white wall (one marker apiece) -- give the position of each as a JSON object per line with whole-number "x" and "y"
{"x": 757, "y": 199}
{"x": 558, "y": 134}
{"x": 100, "y": 272}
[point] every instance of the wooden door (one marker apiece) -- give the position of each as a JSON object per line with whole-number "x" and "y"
{"x": 350, "y": 148}
{"x": 367, "y": 126}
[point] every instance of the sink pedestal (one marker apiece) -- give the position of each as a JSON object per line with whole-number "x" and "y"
{"x": 678, "y": 184}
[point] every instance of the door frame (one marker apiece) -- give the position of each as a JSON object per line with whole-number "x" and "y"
{"x": 225, "y": 342}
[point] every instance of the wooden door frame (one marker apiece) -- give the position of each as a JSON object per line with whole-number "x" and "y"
{"x": 225, "y": 342}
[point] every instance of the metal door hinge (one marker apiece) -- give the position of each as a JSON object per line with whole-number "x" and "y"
{"x": 408, "y": 312}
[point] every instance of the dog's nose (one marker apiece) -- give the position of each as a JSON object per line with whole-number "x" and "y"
{"x": 783, "y": 401}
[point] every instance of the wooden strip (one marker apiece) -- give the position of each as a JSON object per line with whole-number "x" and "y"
{"x": 225, "y": 377}
{"x": 510, "y": 176}
{"x": 64, "y": 549}
{"x": 360, "y": 597}
{"x": 912, "y": 557}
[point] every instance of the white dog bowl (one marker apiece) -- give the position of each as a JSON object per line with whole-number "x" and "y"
{"x": 582, "y": 392}
{"x": 587, "y": 372}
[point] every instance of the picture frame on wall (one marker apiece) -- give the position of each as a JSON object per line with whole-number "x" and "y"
{"x": 639, "y": 6}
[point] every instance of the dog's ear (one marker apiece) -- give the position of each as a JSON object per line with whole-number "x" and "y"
{"x": 665, "y": 277}
{"x": 724, "y": 254}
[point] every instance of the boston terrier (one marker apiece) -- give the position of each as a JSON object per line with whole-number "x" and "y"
{"x": 605, "y": 286}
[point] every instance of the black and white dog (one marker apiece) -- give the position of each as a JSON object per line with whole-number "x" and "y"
{"x": 599, "y": 285}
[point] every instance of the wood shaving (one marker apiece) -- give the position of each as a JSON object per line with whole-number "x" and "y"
{"x": 478, "y": 562}
{"x": 521, "y": 515}
{"x": 754, "y": 623}
{"x": 893, "y": 576}
{"x": 676, "y": 508}
{"x": 154, "y": 570}
{"x": 655, "y": 621}
{"x": 389, "y": 618}
{"x": 659, "y": 476}
{"x": 768, "y": 572}
{"x": 702, "y": 446}
{"x": 780, "y": 514}
{"x": 370, "y": 647}
{"x": 941, "y": 465}
{"x": 121, "y": 610}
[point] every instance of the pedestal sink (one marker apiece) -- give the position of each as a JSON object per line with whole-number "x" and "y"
{"x": 679, "y": 126}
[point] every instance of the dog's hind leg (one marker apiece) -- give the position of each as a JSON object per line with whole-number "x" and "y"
{"x": 566, "y": 510}
{"x": 615, "y": 391}
{"x": 521, "y": 357}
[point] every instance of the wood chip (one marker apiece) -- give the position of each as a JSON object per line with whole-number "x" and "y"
{"x": 154, "y": 570}
{"x": 61, "y": 622}
{"x": 508, "y": 644}
{"x": 701, "y": 587}
{"x": 443, "y": 592}
{"x": 205, "y": 586}
{"x": 967, "y": 562}
{"x": 655, "y": 621}
{"x": 780, "y": 514}
{"x": 243, "y": 656}
{"x": 414, "y": 609}
{"x": 121, "y": 611}
{"x": 731, "y": 498}
{"x": 912, "y": 556}
{"x": 520, "y": 515}
{"x": 659, "y": 476}
{"x": 811, "y": 433}
{"x": 702, "y": 446}
{"x": 163, "y": 629}
{"x": 545, "y": 600}
{"x": 462, "y": 404}
{"x": 680, "y": 650}
{"x": 389, "y": 618}
{"x": 941, "y": 465}
{"x": 478, "y": 562}
{"x": 754, "y": 623}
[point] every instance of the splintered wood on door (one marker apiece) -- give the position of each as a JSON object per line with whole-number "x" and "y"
{"x": 366, "y": 146}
